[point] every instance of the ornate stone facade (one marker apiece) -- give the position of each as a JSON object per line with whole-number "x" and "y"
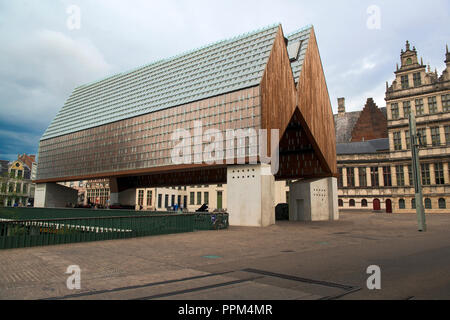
{"x": 376, "y": 177}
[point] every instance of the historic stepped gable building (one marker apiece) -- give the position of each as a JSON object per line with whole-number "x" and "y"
{"x": 371, "y": 124}
{"x": 120, "y": 128}
{"x": 377, "y": 174}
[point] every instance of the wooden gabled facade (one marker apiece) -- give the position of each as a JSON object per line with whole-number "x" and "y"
{"x": 305, "y": 106}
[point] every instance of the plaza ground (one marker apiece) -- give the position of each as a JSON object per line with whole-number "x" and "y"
{"x": 290, "y": 260}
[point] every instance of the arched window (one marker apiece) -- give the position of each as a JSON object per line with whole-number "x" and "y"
{"x": 413, "y": 203}
{"x": 340, "y": 203}
{"x": 442, "y": 204}
{"x": 401, "y": 204}
{"x": 352, "y": 203}
{"x": 363, "y": 203}
{"x": 427, "y": 203}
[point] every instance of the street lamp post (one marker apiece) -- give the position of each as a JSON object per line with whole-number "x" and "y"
{"x": 416, "y": 173}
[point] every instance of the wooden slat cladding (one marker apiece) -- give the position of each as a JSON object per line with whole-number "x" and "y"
{"x": 315, "y": 107}
{"x": 277, "y": 89}
{"x": 280, "y": 98}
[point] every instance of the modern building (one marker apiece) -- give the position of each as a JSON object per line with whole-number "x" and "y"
{"x": 377, "y": 174}
{"x": 16, "y": 187}
{"x": 122, "y": 128}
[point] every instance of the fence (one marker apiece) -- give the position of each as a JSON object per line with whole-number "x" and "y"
{"x": 42, "y": 232}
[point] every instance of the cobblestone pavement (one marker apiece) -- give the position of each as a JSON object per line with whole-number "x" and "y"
{"x": 289, "y": 260}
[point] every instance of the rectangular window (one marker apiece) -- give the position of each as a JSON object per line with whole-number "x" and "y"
{"x": 417, "y": 79}
{"x": 362, "y": 177}
{"x": 394, "y": 110}
{"x": 406, "y": 108}
{"x": 422, "y": 137}
{"x": 425, "y": 174}
{"x": 149, "y": 198}
{"x": 206, "y": 197}
{"x": 435, "y": 136}
{"x": 400, "y": 176}
{"x": 159, "y": 200}
{"x": 387, "y": 176}
{"x": 350, "y": 177}
{"x": 447, "y": 134}
{"x": 374, "y": 176}
{"x": 445, "y": 102}
{"x": 419, "y": 107}
{"x": 191, "y": 198}
{"x": 340, "y": 178}
{"x": 397, "y": 141}
{"x": 439, "y": 173}
{"x": 407, "y": 140}
{"x": 410, "y": 175}
{"x": 141, "y": 198}
{"x": 166, "y": 201}
{"x": 432, "y": 105}
{"x": 405, "y": 82}
{"x": 199, "y": 198}
{"x": 173, "y": 200}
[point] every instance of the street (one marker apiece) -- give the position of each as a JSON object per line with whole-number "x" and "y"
{"x": 287, "y": 261}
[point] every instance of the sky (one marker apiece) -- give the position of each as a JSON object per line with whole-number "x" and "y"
{"x": 49, "y": 47}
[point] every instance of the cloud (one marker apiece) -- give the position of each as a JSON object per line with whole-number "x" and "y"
{"x": 43, "y": 61}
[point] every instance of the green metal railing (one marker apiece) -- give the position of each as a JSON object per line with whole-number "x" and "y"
{"x": 42, "y": 232}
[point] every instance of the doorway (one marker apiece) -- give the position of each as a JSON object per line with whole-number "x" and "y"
{"x": 376, "y": 205}
{"x": 388, "y": 206}
{"x": 219, "y": 199}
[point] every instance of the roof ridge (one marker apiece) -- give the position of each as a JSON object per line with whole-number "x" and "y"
{"x": 212, "y": 44}
{"x": 308, "y": 26}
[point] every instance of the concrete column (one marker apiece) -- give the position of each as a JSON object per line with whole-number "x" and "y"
{"x": 314, "y": 200}
{"x": 114, "y": 192}
{"x": 250, "y": 198}
{"x": 53, "y": 195}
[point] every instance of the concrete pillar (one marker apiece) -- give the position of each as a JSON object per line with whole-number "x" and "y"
{"x": 250, "y": 195}
{"x": 53, "y": 195}
{"x": 125, "y": 198}
{"x": 314, "y": 200}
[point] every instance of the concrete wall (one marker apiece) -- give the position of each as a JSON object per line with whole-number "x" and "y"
{"x": 52, "y": 195}
{"x": 128, "y": 197}
{"x": 250, "y": 199}
{"x": 313, "y": 200}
